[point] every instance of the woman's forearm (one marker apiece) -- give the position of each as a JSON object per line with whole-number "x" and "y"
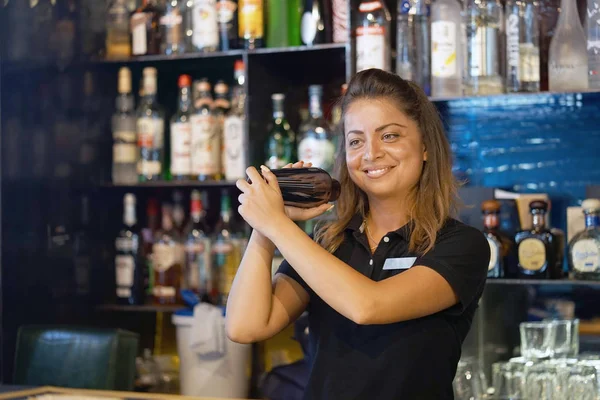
{"x": 250, "y": 299}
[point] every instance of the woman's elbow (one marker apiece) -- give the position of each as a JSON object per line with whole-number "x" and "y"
{"x": 239, "y": 333}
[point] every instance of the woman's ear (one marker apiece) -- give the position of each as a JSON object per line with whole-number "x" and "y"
{"x": 424, "y": 154}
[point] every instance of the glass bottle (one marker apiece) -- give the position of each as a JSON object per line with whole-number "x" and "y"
{"x": 227, "y": 17}
{"x": 145, "y": 29}
{"x": 118, "y": 44}
{"x": 171, "y": 24}
{"x": 205, "y": 28}
{"x": 150, "y": 130}
{"x": 181, "y": 132}
{"x": 126, "y": 259}
{"x": 341, "y": 29}
{"x": 484, "y": 24}
{"x": 235, "y": 159}
{"x": 584, "y": 247}
{"x": 166, "y": 262}
{"x": 549, "y": 13}
{"x": 522, "y": 46}
{"x": 198, "y": 272}
{"x": 535, "y": 246}
{"x": 413, "y": 41}
{"x": 294, "y": 21}
{"x": 568, "y": 57}
{"x": 251, "y": 28}
{"x": 593, "y": 43}
{"x": 315, "y": 144}
{"x": 306, "y": 187}
{"x": 312, "y": 27}
{"x": 125, "y": 153}
{"x": 221, "y": 107}
{"x": 277, "y": 23}
{"x": 206, "y": 143}
{"x": 446, "y": 50}
{"x": 499, "y": 243}
{"x": 373, "y": 36}
{"x": 226, "y": 260}
{"x": 280, "y": 141}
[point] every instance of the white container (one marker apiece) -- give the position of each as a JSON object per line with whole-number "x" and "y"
{"x": 210, "y": 376}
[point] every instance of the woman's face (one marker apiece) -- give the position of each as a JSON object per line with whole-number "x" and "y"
{"x": 384, "y": 150}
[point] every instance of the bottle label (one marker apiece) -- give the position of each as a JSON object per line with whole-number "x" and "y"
{"x": 199, "y": 275}
{"x": 567, "y": 76}
{"x": 493, "y": 254}
{"x": 205, "y": 20}
{"x": 512, "y": 43}
{"x": 138, "y": 34}
{"x": 150, "y": 133}
{"x": 163, "y": 291}
{"x": 443, "y": 57}
{"x": 369, "y": 6}
{"x": 251, "y": 19}
{"x": 532, "y": 254}
{"x": 226, "y": 11}
{"x": 172, "y": 23}
{"x": 317, "y": 151}
{"x": 529, "y": 63}
{"x": 124, "y": 153}
{"x": 126, "y": 244}
{"x": 163, "y": 257}
{"x": 340, "y": 21}
{"x": 308, "y": 28}
{"x": 125, "y": 266}
{"x": 586, "y": 255}
{"x": 234, "y": 154}
{"x": 206, "y": 145}
{"x": 181, "y": 134}
{"x": 370, "y": 47}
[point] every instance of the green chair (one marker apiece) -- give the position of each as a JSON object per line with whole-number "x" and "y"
{"x": 76, "y": 357}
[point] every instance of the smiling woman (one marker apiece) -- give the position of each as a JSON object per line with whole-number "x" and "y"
{"x": 392, "y": 285}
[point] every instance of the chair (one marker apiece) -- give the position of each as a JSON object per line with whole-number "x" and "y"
{"x": 76, "y": 357}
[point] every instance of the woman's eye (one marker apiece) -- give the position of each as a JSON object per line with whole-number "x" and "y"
{"x": 353, "y": 142}
{"x": 390, "y": 136}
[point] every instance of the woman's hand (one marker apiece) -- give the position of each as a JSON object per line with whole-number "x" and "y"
{"x": 304, "y": 214}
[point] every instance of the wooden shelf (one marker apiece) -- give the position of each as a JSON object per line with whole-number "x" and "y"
{"x": 542, "y": 282}
{"x": 172, "y": 184}
{"x": 142, "y": 308}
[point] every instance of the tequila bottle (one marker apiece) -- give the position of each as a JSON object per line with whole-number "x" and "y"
{"x": 536, "y": 246}
{"x": 522, "y": 46}
{"x": 584, "y": 248}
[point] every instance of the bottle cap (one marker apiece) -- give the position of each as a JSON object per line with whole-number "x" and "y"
{"x": 202, "y": 85}
{"x": 590, "y": 205}
{"x": 238, "y": 66}
{"x": 490, "y": 206}
{"x": 221, "y": 88}
{"x": 184, "y": 81}
{"x": 538, "y": 205}
{"x": 149, "y": 71}
{"x": 278, "y": 97}
{"x": 124, "y": 80}
{"x": 129, "y": 198}
{"x": 336, "y": 189}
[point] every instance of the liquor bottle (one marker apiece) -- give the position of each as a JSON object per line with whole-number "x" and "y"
{"x": 225, "y": 257}
{"x": 446, "y": 50}
{"x": 584, "y": 247}
{"x": 294, "y": 22}
{"x": 145, "y": 29}
{"x": 522, "y": 46}
{"x": 227, "y": 18}
{"x": 82, "y": 251}
{"x": 125, "y": 153}
{"x": 306, "y": 187}
{"x": 221, "y": 107}
{"x": 279, "y": 147}
{"x": 171, "y": 24}
{"x": 118, "y": 44}
{"x": 198, "y": 275}
{"x": 126, "y": 259}
{"x": 235, "y": 160}
{"x": 593, "y": 43}
{"x": 313, "y": 23}
{"x": 484, "y": 24}
{"x": 205, "y": 25}
{"x": 149, "y": 233}
{"x": 150, "y": 130}
{"x": 413, "y": 40}
{"x": 206, "y": 143}
{"x": 277, "y": 23}
{"x": 373, "y": 36}
{"x": 568, "y": 57}
{"x": 250, "y": 18}
{"x": 166, "y": 261}
{"x": 315, "y": 143}
{"x": 549, "y": 13}
{"x": 181, "y": 132}
{"x": 499, "y": 243}
{"x": 93, "y": 16}
{"x": 535, "y": 246}
{"x": 341, "y": 24}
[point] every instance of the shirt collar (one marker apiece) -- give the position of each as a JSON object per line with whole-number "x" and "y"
{"x": 357, "y": 224}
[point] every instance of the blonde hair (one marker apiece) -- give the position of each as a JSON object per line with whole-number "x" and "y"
{"x": 433, "y": 199}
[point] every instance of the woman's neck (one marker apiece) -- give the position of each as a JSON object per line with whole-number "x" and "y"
{"x": 386, "y": 216}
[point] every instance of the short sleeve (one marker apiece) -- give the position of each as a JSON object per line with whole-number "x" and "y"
{"x": 461, "y": 255}
{"x": 286, "y": 269}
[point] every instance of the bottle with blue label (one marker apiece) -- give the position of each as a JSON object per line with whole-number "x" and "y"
{"x": 584, "y": 247}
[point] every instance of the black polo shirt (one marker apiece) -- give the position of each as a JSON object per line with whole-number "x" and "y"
{"x": 407, "y": 360}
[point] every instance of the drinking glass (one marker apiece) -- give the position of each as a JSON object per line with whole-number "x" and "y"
{"x": 578, "y": 382}
{"x": 566, "y": 341}
{"x": 508, "y": 379}
{"x": 537, "y": 339}
{"x": 469, "y": 382}
{"x": 542, "y": 381}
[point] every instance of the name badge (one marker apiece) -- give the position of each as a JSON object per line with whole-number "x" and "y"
{"x": 399, "y": 263}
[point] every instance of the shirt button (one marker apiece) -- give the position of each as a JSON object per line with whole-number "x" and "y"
{"x": 371, "y": 262}
{"x": 386, "y": 239}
